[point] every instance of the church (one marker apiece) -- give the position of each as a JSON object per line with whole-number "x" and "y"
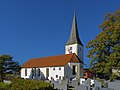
{"x": 67, "y": 66}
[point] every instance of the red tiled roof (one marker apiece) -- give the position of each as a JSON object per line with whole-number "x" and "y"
{"x": 50, "y": 61}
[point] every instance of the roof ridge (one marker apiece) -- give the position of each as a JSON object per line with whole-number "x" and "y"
{"x": 71, "y": 55}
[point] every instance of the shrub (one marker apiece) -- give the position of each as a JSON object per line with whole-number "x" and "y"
{"x": 4, "y": 86}
{"x": 113, "y": 77}
{"x": 20, "y": 84}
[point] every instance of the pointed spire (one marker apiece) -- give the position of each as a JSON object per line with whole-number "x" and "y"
{"x": 74, "y": 36}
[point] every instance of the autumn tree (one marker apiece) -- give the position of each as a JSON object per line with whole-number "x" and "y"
{"x": 104, "y": 50}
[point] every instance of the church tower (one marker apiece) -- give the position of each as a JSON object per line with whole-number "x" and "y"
{"x": 74, "y": 44}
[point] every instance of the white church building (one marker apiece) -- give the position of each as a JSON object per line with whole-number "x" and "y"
{"x": 67, "y": 66}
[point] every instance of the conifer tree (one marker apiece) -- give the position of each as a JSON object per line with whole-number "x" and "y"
{"x": 8, "y": 66}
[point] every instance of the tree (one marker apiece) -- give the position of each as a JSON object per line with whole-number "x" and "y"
{"x": 104, "y": 50}
{"x": 2, "y": 65}
{"x": 1, "y": 69}
{"x": 8, "y": 66}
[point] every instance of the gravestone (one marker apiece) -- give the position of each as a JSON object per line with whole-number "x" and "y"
{"x": 59, "y": 84}
{"x": 114, "y": 85}
{"x": 82, "y": 80}
{"x": 80, "y": 87}
{"x": 86, "y": 85}
{"x": 74, "y": 83}
{"x": 105, "y": 89}
{"x": 97, "y": 84}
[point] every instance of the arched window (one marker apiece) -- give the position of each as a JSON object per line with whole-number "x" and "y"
{"x": 25, "y": 71}
{"x": 38, "y": 72}
{"x": 32, "y": 72}
{"x": 47, "y": 72}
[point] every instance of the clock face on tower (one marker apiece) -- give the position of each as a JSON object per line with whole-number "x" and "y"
{"x": 69, "y": 49}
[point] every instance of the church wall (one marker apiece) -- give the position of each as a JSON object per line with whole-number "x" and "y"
{"x": 54, "y": 72}
{"x": 78, "y": 50}
{"x": 81, "y": 56}
{"x": 43, "y": 72}
{"x": 75, "y": 48}
{"x": 66, "y": 70}
{"x": 80, "y": 53}
{"x": 23, "y": 73}
{"x": 70, "y": 70}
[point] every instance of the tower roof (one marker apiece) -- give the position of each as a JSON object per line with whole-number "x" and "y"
{"x": 74, "y": 36}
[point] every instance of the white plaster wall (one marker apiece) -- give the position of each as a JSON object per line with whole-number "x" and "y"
{"x": 23, "y": 73}
{"x": 74, "y": 48}
{"x": 66, "y": 72}
{"x": 52, "y": 73}
{"x": 78, "y": 50}
{"x": 55, "y": 72}
{"x": 69, "y": 70}
{"x": 43, "y": 72}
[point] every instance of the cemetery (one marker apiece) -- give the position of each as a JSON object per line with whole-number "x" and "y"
{"x": 88, "y": 84}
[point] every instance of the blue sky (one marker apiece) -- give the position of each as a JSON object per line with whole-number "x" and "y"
{"x": 39, "y": 28}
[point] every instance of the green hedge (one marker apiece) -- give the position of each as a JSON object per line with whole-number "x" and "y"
{"x": 20, "y": 84}
{"x": 4, "y": 86}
